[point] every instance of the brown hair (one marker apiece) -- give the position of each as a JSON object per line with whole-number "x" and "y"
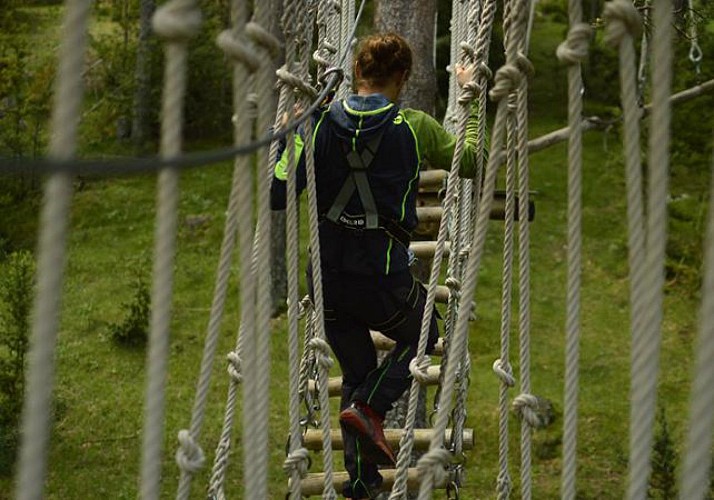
{"x": 381, "y": 56}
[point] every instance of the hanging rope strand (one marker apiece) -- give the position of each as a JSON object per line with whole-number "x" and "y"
{"x": 32, "y": 465}
{"x": 573, "y": 51}
{"x": 645, "y": 348}
{"x": 695, "y": 478}
{"x": 176, "y": 22}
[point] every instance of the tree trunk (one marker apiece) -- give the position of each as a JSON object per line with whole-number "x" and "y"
{"x": 414, "y": 20}
{"x": 142, "y": 93}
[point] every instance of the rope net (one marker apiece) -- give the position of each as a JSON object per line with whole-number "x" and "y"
{"x": 467, "y": 206}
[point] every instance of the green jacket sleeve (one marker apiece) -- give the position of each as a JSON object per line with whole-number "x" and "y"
{"x": 437, "y": 145}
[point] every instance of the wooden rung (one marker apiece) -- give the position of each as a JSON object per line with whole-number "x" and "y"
{"x": 429, "y": 214}
{"x": 314, "y": 483}
{"x": 312, "y": 439}
{"x": 432, "y": 214}
{"x": 334, "y": 384}
{"x": 426, "y": 249}
{"x": 384, "y": 343}
{"x": 432, "y": 179}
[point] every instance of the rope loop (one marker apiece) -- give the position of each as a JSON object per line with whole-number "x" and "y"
{"x": 322, "y": 352}
{"x": 189, "y": 456}
{"x": 319, "y": 59}
{"x": 419, "y": 367}
{"x": 238, "y": 51}
{"x": 508, "y": 78}
{"x": 295, "y": 82}
{"x": 504, "y": 485}
{"x": 263, "y": 37}
{"x": 297, "y": 461}
{"x": 482, "y": 72}
{"x": 177, "y": 21}
{"x": 526, "y": 407}
{"x": 469, "y": 92}
{"x": 621, "y": 18}
{"x": 304, "y": 306}
{"x": 435, "y": 461}
{"x": 525, "y": 64}
{"x": 235, "y": 364}
{"x": 574, "y": 49}
{"x": 504, "y": 372}
{"x": 468, "y": 49}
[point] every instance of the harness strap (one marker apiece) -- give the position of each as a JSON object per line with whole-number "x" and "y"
{"x": 357, "y": 181}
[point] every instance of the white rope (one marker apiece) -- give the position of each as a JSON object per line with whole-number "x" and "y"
{"x": 256, "y": 379}
{"x": 176, "y": 22}
{"x": 645, "y": 348}
{"x": 573, "y": 51}
{"x": 507, "y": 80}
{"x": 695, "y": 479}
{"x": 32, "y": 465}
{"x": 406, "y": 443}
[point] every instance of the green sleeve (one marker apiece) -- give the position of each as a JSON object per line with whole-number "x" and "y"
{"x": 437, "y": 145}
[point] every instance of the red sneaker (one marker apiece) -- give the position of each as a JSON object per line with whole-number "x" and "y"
{"x": 361, "y": 421}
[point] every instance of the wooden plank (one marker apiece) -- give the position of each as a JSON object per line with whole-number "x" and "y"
{"x": 334, "y": 384}
{"x": 312, "y": 439}
{"x": 314, "y": 483}
{"x": 384, "y": 343}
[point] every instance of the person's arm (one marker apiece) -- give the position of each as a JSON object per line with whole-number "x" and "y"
{"x": 437, "y": 145}
{"x": 278, "y": 188}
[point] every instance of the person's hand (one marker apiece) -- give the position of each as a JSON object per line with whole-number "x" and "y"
{"x": 298, "y": 110}
{"x": 464, "y": 74}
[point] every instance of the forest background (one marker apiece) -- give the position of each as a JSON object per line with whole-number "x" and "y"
{"x": 98, "y": 400}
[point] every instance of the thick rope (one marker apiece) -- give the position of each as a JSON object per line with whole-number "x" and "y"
{"x": 573, "y": 51}
{"x": 176, "y": 22}
{"x": 407, "y": 441}
{"x": 695, "y": 478}
{"x": 296, "y": 463}
{"x": 507, "y": 80}
{"x": 645, "y": 348}
{"x": 32, "y": 468}
{"x": 256, "y": 379}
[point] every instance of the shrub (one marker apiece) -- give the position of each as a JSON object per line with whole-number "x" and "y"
{"x": 16, "y": 292}
{"x": 133, "y": 329}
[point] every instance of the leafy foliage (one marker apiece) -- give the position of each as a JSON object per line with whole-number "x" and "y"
{"x": 16, "y": 291}
{"x": 133, "y": 329}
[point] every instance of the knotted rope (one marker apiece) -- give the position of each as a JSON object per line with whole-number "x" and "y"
{"x": 573, "y": 52}
{"x": 32, "y": 465}
{"x": 504, "y": 82}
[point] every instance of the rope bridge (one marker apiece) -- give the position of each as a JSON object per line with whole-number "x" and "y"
{"x": 467, "y": 208}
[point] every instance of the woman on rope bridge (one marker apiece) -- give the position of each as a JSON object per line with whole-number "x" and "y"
{"x": 368, "y": 153}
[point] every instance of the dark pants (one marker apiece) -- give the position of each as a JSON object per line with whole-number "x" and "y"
{"x": 354, "y": 305}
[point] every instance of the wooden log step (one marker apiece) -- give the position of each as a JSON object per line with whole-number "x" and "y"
{"x": 432, "y": 179}
{"x": 334, "y": 384}
{"x": 432, "y": 214}
{"x": 314, "y": 483}
{"x": 312, "y": 439}
{"x": 384, "y": 343}
{"x": 426, "y": 249}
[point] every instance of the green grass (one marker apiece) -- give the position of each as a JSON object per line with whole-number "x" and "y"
{"x": 96, "y": 439}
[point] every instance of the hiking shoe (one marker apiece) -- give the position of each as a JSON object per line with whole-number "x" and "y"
{"x": 361, "y": 421}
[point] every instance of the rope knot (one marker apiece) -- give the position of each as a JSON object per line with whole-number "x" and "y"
{"x": 508, "y": 78}
{"x": 235, "y": 364}
{"x": 304, "y": 306}
{"x": 535, "y": 411}
{"x": 435, "y": 461}
{"x": 189, "y": 456}
{"x": 504, "y": 484}
{"x": 482, "y": 72}
{"x": 322, "y": 352}
{"x": 469, "y": 92}
{"x": 574, "y": 49}
{"x": 238, "y": 51}
{"x": 468, "y": 49}
{"x": 177, "y": 21}
{"x": 504, "y": 372}
{"x": 419, "y": 367}
{"x": 297, "y": 461}
{"x": 295, "y": 82}
{"x": 621, "y": 18}
{"x": 263, "y": 37}
{"x": 525, "y": 64}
